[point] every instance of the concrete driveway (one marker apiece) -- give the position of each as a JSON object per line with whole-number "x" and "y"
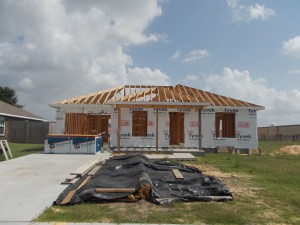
{"x": 30, "y": 184}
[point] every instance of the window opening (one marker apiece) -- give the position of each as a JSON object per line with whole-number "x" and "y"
{"x": 225, "y": 125}
{"x": 139, "y": 123}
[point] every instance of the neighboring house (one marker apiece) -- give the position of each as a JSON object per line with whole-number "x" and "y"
{"x": 160, "y": 116}
{"x": 20, "y": 126}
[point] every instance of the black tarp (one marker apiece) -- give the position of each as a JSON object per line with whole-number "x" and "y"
{"x": 133, "y": 171}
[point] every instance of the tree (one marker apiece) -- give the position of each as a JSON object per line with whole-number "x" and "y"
{"x": 9, "y": 96}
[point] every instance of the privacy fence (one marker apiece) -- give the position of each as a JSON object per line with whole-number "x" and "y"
{"x": 27, "y": 131}
{"x": 279, "y": 133}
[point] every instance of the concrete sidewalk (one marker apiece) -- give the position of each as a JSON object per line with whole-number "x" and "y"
{"x": 31, "y": 183}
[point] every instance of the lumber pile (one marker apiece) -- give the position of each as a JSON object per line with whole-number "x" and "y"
{"x": 94, "y": 181}
{"x": 70, "y": 195}
{"x": 89, "y": 168}
{"x": 143, "y": 192}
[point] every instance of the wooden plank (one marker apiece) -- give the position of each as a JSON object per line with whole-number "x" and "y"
{"x": 177, "y": 174}
{"x": 84, "y": 182}
{"x": 71, "y": 181}
{"x": 94, "y": 170}
{"x": 70, "y": 195}
{"x": 131, "y": 197}
{"x": 184, "y": 156}
{"x": 119, "y": 128}
{"x": 172, "y": 93}
{"x": 156, "y": 130}
{"x": 212, "y": 198}
{"x": 85, "y": 168}
{"x": 115, "y": 190}
{"x": 220, "y": 198}
{"x": 71, "y": 177}
{"x": 186, "y": 93}
{"x": 68, "y": 198}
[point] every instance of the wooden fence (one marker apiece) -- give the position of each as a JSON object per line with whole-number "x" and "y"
{"x": 30, "y": 132}
{"x": 279, "y": 133}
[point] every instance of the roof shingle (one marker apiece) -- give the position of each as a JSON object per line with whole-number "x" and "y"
{"x": 12, "y": 111}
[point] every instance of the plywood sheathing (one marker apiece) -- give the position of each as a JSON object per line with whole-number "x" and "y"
{"x": 149, "y": 93}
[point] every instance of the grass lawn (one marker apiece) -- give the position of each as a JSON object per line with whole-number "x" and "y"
{"x": 265, "y": 187}
{"x": 18, "y": 150}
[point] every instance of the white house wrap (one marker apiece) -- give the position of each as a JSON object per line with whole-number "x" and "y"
{"x": 160, "y": 116}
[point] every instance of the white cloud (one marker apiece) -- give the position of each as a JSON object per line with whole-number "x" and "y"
{"x": 191, "y": 77}
{"x": 196, "y": 55}
{"x": 176, "y": 55}
{"x": 26, "y": 83}
{"x": 51, "y": 50}
{"x": 297, "y": 72}
{"x": 292, "y": 47}
{"x": 146, "y": 76}
{"x": 282, "y": 107}
{"x": 260, "y": 12}
{"x": 240, "y": 12}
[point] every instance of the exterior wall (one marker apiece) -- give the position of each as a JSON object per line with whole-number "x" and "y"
{"x": 61, "y": 114}
{"x": 245, "y": 127}
{"x": 126, "y": 138}
{"x": 245, "y": 124}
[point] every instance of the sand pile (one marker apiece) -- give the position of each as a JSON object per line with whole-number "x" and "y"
{"x": 291, "y": 150}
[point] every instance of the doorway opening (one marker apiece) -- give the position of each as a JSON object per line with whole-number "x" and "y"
{"x": 176, "y": 128}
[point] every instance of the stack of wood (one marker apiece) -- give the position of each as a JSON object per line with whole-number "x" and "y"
{"x": 89, "y": 168}
{"x": 143, "y": 192}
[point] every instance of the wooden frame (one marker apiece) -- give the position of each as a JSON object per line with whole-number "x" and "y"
{"x": 119, "y": 129}
{"x": 139, "y": 123}
{"x": 225, "y": 125}
{"x": 176, "y": 128}
{"x": 156, "y": 94}
{"x": 80, "y": 123}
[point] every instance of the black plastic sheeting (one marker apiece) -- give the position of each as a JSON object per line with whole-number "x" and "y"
{"x": 133, "y": 171}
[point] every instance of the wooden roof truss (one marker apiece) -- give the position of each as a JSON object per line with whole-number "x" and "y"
{"x": 149, "y": 93}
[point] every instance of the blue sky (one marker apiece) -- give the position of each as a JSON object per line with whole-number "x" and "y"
{"x": 250, "y": 50}
{"x": 254, "y": 45}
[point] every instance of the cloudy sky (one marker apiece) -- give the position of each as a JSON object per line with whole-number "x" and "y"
{"x": 250, "y": 50}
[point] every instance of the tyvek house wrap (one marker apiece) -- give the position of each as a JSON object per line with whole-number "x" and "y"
{"x": 130, "y": 171}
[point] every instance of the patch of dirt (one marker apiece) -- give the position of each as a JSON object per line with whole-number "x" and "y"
{"x": 290, "y": 150}
{"x": 238, "y": 184}
{"x": 57, "y": 210}
{"x": 144, "y": 208}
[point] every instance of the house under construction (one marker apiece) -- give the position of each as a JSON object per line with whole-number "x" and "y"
{"x": 160, "y": 116}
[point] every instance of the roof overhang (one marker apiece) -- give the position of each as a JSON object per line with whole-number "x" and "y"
{"x": 240, "y": 107}
{"x": 22, "y": 117}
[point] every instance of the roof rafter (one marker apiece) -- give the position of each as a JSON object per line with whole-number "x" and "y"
{"x": 149, "y": 93}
